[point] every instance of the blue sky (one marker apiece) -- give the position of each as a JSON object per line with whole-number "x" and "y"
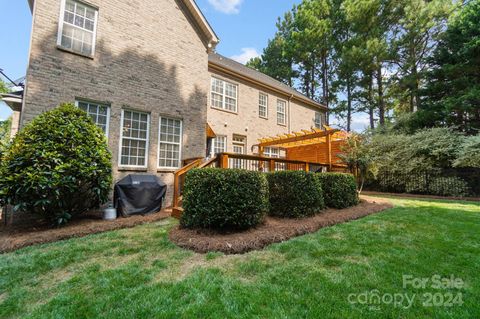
{"x": 244, "y": 27}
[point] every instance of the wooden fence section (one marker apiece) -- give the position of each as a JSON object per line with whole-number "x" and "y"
{"x": 246, "y": 162}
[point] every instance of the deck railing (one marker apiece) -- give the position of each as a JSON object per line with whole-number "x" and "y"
{"x": 267, "y": 164}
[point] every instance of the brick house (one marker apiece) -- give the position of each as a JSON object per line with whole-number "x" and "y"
{"x": 147, "y": 73}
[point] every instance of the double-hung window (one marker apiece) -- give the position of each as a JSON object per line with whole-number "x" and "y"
{"x": 263, "y": 105}
{"x": 271, "y": 152}
{"x": 170, "y": 143}
{"x": 77, "y": 27}
{"x": 219, "y": 145}
{"x": 99, "y": 113}
{"x": 318, "y": 120}
{"x": 134, "y": 138}
{"x": 281, "y": 112}
{"x": 224, "y": 95}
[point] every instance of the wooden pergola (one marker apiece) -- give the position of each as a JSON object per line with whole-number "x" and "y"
{"x": 315, "y": 145}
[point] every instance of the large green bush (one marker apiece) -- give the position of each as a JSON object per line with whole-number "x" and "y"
{"x": 339, "y": 190}
{"x": 468, "y": 154}
{"x": 57, "y": 166}
{"x": 295, "y": 194}
{"x": 448, "y": 186}
{"x": 224, "y": 199}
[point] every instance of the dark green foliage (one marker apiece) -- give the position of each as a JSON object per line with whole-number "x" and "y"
{"x": 448, "y": 186}
{"x": 421, "y": 163}
{"x": 295, "y": 194}
{"x": 469, "y": 153}
{"x": 5, "y": 127}
{"x": 339, "y": 190}
{"x": 224, "y": 199}
{"x": 57, "y": 166}
{"x": 448, "y": 182}
{"x": 452, "y": 93}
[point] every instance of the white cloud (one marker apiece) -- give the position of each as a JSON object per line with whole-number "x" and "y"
{"x": 246, "y": 55}
{"x": 226, "y": 6}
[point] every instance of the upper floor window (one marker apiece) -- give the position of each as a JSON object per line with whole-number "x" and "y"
{"x": 170, "y": 143}
{"x": 134, "y": 138}
{"x": 318, "y": 120}
{"x": 281, "y": 112}
{"x": 224, "y": 95}
{"x": 99, "y": 113}
{"x": 77, "y": 27}
{"x": 263, "y": 105}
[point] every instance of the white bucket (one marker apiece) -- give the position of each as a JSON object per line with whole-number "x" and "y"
{"x": 109, "y": 213}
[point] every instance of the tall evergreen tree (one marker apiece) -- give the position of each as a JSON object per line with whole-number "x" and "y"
{"x": 452, "y": 95}
{"x": 416, "y": 33}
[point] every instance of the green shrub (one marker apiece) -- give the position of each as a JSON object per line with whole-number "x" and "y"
{"x": 415, "y": 184}
{"x": 448, "y": 186}
{"x": 57, "y": 166}
{"x": 339, "y": 190}
{"x": 224, "y": 199}
{"x": 294, "y": 194}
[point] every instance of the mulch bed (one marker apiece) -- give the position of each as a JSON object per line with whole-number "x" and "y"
{"x": 27, "y": 234}
{"x": 372, "y": 193}
{"x": 273, "y": 230}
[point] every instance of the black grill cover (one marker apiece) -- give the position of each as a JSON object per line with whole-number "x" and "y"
{"x": 139, "y": 195}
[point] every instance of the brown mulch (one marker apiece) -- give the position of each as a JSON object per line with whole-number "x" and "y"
{"x": 273, "y": 230}
{"x": 469, "y": 199}
{"x": 27, "y": 234}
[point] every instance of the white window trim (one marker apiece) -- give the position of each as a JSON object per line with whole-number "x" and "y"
{"x": 266, "y": 106}
{"x": 224, "y": 96}
{"x": 242, "y": 143}
{"x": 107, "y": 125}
{"x": 315, "y": 119}
{"x": 212, "y": 146}
{"x": 172, "y": 143}
{"x": 61, "y": 21}
{"x": 268, "y": 152}
{"x": 284, "y": 113}
{"x": 147, "y": 145}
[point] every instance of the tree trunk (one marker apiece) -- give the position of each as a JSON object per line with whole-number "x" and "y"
{"x": 290, "y": 80}
{"x": 371, "y": 104}
{"x": 306, "y": 82}
{"x": 312, "y": 81}
{"x": 325, "y": 80}
{"x": 416, "y": 89}
{"x": 349, "y": 106}
{"x": 381, "y": 101}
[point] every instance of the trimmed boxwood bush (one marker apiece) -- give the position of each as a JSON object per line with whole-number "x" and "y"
{"x": 294, "y": 194}
{"x": 57, "y": 166}
{"x": 339, "y": 190}
{"x": 224, "y": 199}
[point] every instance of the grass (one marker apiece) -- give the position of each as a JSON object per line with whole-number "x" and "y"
{"x": 139, "y": 273}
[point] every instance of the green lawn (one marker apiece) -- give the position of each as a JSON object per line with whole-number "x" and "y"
{"x": 138, "y": 273}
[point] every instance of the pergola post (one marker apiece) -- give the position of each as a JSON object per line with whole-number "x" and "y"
{"x": 329, "y": 151}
